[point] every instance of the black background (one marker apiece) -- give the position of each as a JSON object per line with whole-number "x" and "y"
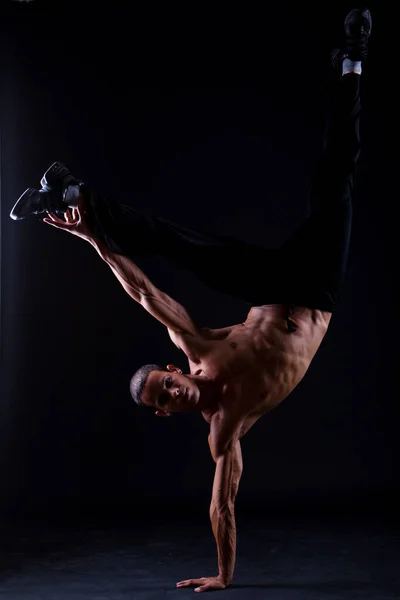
{"x": 212, "y": 119}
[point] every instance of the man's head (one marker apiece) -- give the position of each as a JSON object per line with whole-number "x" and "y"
{"x": 167, "y": 390}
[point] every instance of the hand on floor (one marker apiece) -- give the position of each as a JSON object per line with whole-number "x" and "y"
{"x": 205, "y": 583}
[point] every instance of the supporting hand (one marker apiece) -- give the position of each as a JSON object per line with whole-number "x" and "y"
{"x": 205, "y": 583}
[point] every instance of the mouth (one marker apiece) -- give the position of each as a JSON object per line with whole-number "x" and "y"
{"x": 187, "y": 397}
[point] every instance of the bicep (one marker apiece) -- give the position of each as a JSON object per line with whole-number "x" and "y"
{"x": 169, "y": 312}
{"x": 161, "y": 306}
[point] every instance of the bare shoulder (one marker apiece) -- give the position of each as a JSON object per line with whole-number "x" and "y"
{"x": 196, "y": 345}
{"x": 200, "y": 343}
{"x": 225, "y": 428}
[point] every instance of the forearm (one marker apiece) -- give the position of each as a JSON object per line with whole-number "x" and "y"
{"x": 224, "y": 529}
{"x": 131, "y": 277}
{"x": 99, "y": 246}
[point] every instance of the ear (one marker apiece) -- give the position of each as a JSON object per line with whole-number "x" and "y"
{"x": 174, "y": 368}
{"x": 161, "y": 413}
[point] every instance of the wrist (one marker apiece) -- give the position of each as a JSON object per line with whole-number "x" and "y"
{"x": 225, "y": 579}
{"x": 97, "y": 244}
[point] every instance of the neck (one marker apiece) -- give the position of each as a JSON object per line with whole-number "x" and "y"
{"x": 210, "y": 393}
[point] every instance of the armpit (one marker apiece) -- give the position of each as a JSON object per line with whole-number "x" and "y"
{"x": 216, "y": 334}
{"x": 192, "y": 345}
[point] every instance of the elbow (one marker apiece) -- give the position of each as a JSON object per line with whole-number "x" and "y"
{"x": 223, "y": 505}
{"x": 222, "y": 449}
{"x": 145, "y": 295}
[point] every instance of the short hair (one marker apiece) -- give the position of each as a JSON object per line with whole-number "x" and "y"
{"x": 138, "y": 381}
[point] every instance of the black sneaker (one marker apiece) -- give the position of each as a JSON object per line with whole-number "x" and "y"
{"x": 357, "y": 30}
{"x": 36, "y": 202}
{"x": 60, "y": 190}
{"x": 58, "y": 178}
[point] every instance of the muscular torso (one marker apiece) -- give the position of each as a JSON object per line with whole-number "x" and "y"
{"x": 259, "y": 362}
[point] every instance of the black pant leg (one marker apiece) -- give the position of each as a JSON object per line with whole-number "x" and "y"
{"x": 315, "y": 256}
{"x": 225, "y": 264}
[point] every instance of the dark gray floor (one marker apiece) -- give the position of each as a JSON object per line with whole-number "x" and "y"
{"x": 277, "y": 559}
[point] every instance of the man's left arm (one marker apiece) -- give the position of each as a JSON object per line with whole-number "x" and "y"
{"x": 229, "y": 467}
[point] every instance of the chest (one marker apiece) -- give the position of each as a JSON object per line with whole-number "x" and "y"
{"x": 233, "y": 364}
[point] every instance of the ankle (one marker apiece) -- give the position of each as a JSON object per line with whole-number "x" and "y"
{"x": 82, "y": 202}
{"x": 351, "y": 66}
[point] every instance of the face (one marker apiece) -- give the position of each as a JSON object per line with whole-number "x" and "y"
{"x": 171, "y": 391}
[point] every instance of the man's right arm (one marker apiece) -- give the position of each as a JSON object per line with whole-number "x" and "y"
{"x": 136, "y": 283}
{"x": 229, "y": 467}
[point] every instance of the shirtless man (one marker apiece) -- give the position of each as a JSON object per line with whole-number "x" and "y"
{"x": 238, "y": 373}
